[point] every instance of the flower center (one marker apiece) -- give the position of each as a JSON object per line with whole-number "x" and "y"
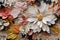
{"x": 39, "y": 16}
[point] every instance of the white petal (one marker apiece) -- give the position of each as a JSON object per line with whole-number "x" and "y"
{"x": 46, "y": 28}
{"x": 19, "y": 7}
{"x": 55, "y": 19}
{"x": 42, "y": 7}
{"x": 54, "y": 1}
{"x": 6, "y": 24}
{"x": 31, "y": 19}
{"x": 2, "y": 27}
{"x": 15, "y": 12}
{"x": 52, "y": 22}
{"x": 49, "y": 23}
{"x": 39, "y": 23}
{"x": 44, "y": 20}
{"x": 34, "y": 31}
{"x": 43, "y": 28}
{"x": 50, "y": 18}
{"x": 36, "y": 28}
{"x": 32, "y": 10}
{"x": 0, "y": 23}
{"x": 35, "y": 21}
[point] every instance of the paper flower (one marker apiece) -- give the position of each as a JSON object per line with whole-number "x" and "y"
{"x": 39, "y": 21}
{"x": 19, "y": 8}
{"x": 14, "y": 28}
{"x": 4, "y": 24}
{"x": 15, "y": 13}
{"x": 32, "y": 19}
{"x": 37, "y": 25}
{"x": 4, "y": 13}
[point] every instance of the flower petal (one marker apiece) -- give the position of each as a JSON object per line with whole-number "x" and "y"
{"x": 40, "y": 24}
{"x": 46, "y": 28}
{"x": 15, "y": 13}
{"x": 50, "y": 19}
{"x": 6, "y": 24}
{"x": 31, "y": 19}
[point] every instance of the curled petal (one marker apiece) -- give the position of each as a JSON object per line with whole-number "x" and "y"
{"x": 6, "y": 24}
{"x": 2, "y": 27}
{"x": 23, "y": 20}
{"x": 46, "y": 28}
{"x": 31, "y": 19}
{"x": 15, "y": 13}
{"x": 19, "y": 7}
{"x": 24, "y": 29}
{"x": 40, "y": 24}
{"x": 4, "y": 13}
{"x": 50, "y": 19}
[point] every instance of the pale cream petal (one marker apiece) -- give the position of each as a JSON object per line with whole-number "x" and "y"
{"x": 40, "y": 24}
{"x": 6, "y": 24}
